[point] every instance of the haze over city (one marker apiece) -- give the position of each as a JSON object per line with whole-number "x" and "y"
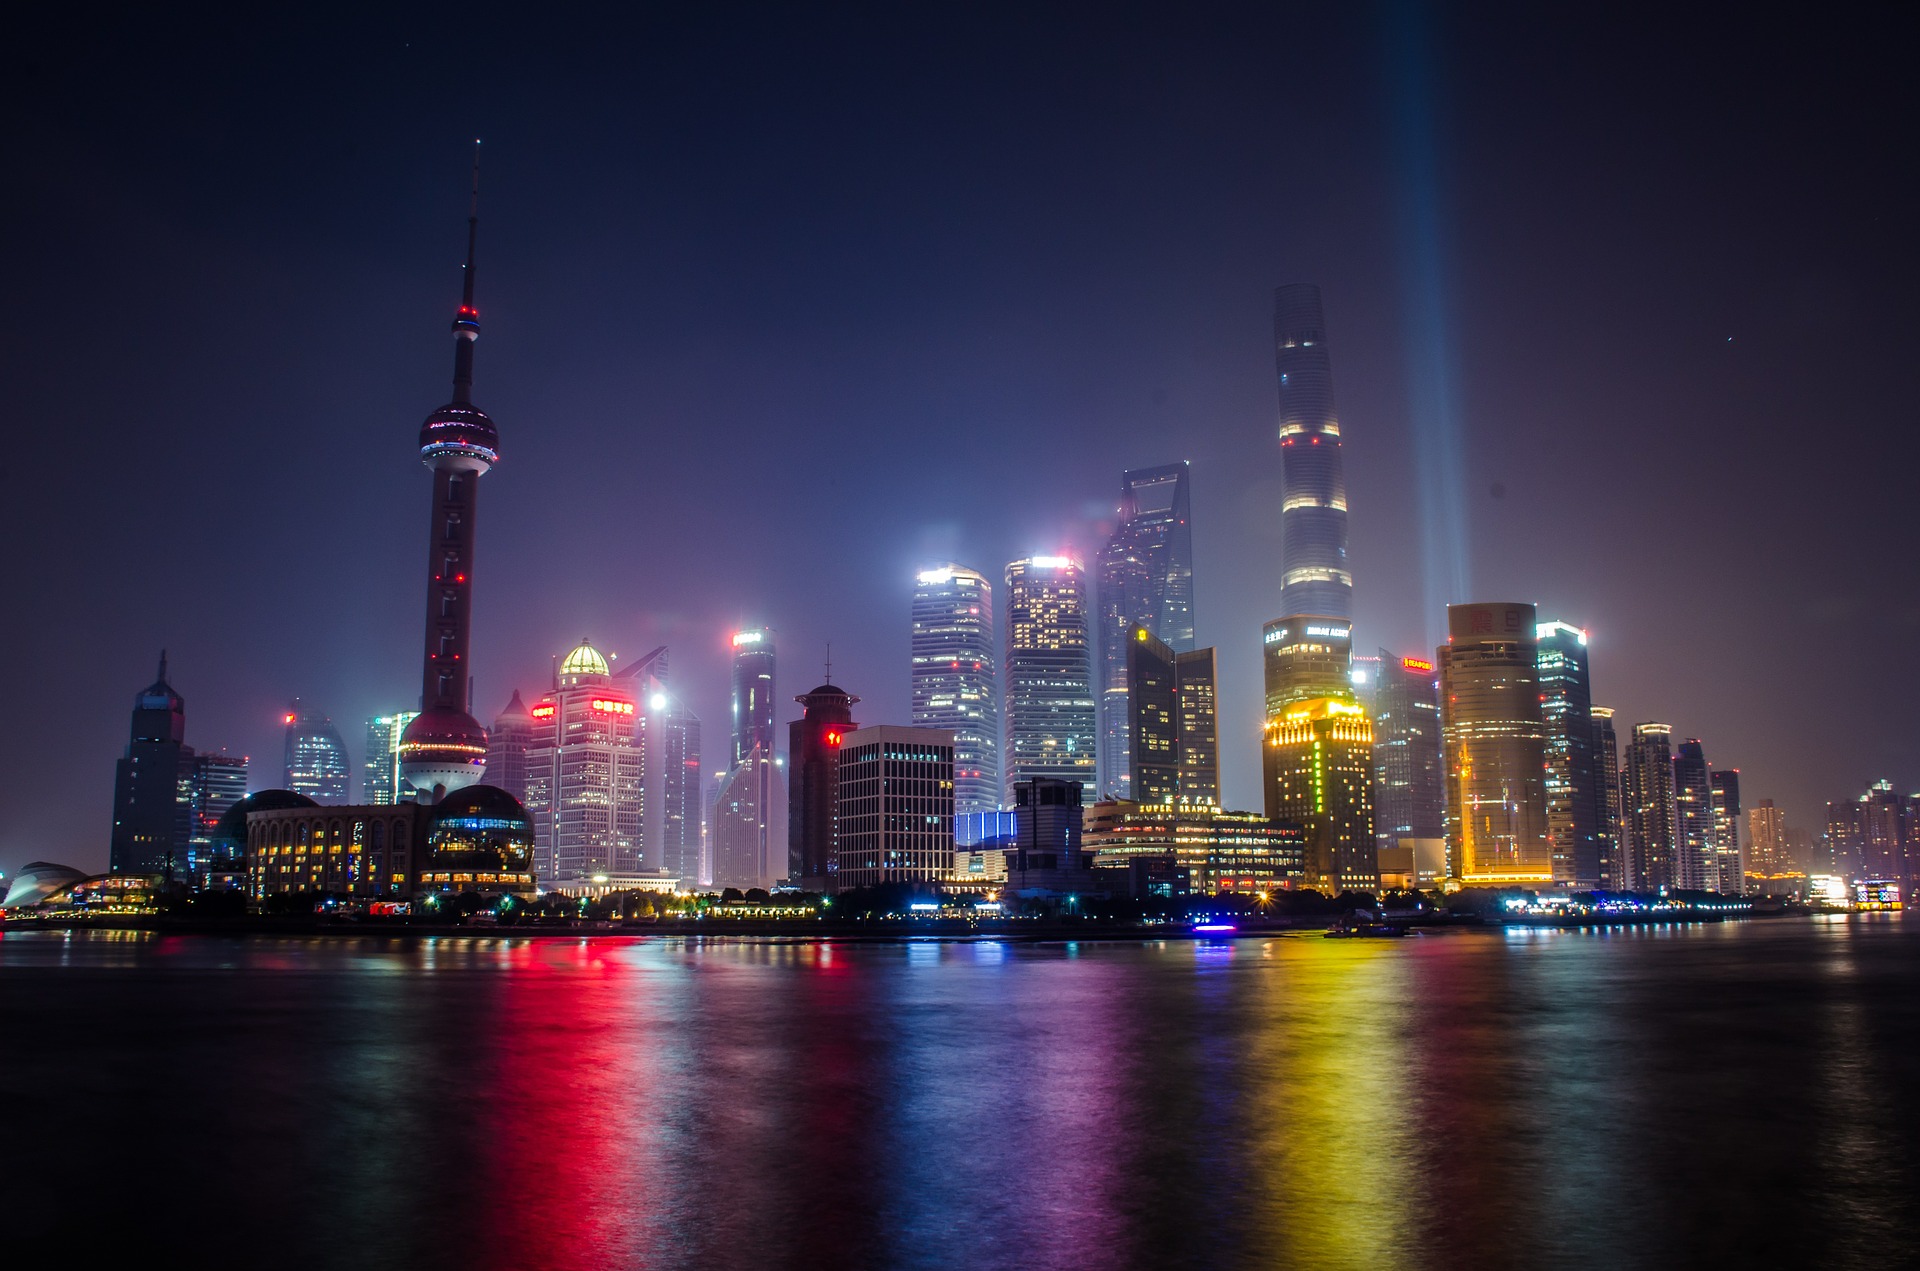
{"x": 780, "y": 311}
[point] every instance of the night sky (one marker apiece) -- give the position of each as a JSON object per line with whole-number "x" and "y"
{"x": 779, "y": 307}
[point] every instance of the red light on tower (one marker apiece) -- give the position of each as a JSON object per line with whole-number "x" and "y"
{"x": 287, "y": 720}
{"x": 833, "y": 737}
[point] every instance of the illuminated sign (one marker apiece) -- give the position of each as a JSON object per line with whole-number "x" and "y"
{"x": 929, "y": 577}
{"x": 1416, "y": 664}
{"x": 607, "y": 706}
{"x": 543, "y": 711}
{"x": 833, "y": 737}
{"x": 747, "y": 637}
{"x": 1276, "y": 635}
{"x": 1337, "y": 633}
{"x": 1050, "y": 562}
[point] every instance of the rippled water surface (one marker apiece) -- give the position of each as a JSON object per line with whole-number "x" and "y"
{"x": 1689, "y": 1096}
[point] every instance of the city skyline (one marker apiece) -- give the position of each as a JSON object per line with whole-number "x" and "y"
{"x": 1181, "y": 376}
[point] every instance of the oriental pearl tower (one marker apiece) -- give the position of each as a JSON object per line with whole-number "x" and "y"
{"x": 445, "y": 748}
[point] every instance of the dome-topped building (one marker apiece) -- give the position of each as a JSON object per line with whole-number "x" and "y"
{"x": 584, "y": 665}
{"x": 586, "y": 772}
{"x": 479, "y": 839}
{"x": 445, "y": 748}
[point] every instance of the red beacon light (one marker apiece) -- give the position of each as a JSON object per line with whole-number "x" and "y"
{"x": 833, "y": 737}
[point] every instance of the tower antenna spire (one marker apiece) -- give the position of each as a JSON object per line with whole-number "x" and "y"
{"x": 466, "y": 323}
{"x": 829, "y": 661}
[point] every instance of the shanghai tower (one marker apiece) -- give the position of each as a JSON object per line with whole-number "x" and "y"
{"x": 445, "y": 748}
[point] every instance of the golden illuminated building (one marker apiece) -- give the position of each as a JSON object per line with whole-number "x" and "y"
{"x": 1221, "y": 851}
{"x": 1496, "y": 756}
{"x": 1319, "y": 776}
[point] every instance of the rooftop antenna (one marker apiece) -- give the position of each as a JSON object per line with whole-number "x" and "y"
{"x": 466, "y": 323}
{"x": 829, "y": 661}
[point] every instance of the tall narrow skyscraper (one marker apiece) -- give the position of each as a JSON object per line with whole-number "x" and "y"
{"x": 813, "y": 755}
{"x": 1146, "y": 580}
{"x": 380, "y": 780}
{"x": 1694, "y": 866}
{"x": 752, "y": 692}
{"x": 1049, "y": 680}
{"x": 1495, "y": 746}
{"x": 1730, "y": 874}
{"x": 1197, "y": 681}
{"x": 1573, "y": 794}
{"x": 445, "y": 748}
{"x": 956, "y": 670}
{"x": 1315, "y": 579}
{"x": 151, "y": 818}
{"x": 1650, "y": 815}
{"x": 1607, "y": 830}
{"x": 755, "y": 763}
{"x": 680, "y": 791}
{"x": 586, "y": 775}
{"x": 1409, "y": 786}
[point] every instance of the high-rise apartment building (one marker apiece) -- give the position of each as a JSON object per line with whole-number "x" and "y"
{"x": 1884, "y": 832}
{"x": 1409, "y": 786}
{"x": 151, "y": 816}
{"x": 507, "y": 745}
{"x": 956, "y": 671}
{"x": 814, "y": 746}
{"x": 1843, "y": 848}
{"x": 586, "y": 775}
{"x": 1695, "y": 866}
{"x": 1767, "y": 853}
{"x": 894, "y": 804}
{"x": 1573, "y": 793}
{"x": 1319, "y": 776}
{"x": 1729, "y": 867}
{"x": 1146, "y": 580}
{"x": 380, "y": 780}
{"x": 1607, "y": 806}
{"x": 1050, "y": 711}
{"x": 1650, "y": 813}
{"x": 445, "y": 749}
{"x": 315, "y": 757}
{"x": 1495, "y": 739}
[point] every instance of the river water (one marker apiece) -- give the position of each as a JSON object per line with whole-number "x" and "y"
{"x": 1737, "y": 1093}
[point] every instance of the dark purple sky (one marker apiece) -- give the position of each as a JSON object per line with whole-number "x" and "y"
{"x": 779, "y": 307}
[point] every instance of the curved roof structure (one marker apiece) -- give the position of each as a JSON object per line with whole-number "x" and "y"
{"x": 38, "y": 881}
{"x": 233, "y": 824}
{"x": 585, "y": 660}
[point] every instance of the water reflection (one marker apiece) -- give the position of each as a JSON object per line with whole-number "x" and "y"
{"x": 1644, "y": 1097}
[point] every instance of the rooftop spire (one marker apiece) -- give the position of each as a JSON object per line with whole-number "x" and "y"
{"x": 163, "y": 666}
{"x": 466, "y": 323}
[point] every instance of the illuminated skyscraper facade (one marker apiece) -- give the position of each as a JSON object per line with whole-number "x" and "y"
{"x": 1315, "y": 580}
{"x": 1650, "y": 815}
{"x": 752, "y": 692}
{"x": 1409, "y": 790}
{"x": 507, "y": 744}
{"x": 1319, "y": 776}
{"x": 746, "y": 849}
{"x": 1197, "y": 681}
{"x": 680, "y": 790}
{"x": 1884, "y": 832}
{"x": 315, "y": 758}
{"x": 151, "y": 812}
{"x": 217, "y": 783}
{"x": 1730, "y": 873}
{"x": 753, "y": 725}
{"x": 1767, "y": 855}
{"x": 1694, "y": 866}
{"x": 380, "y": 780}
{"x": 1173, "y": 734}
{"x": 586, "y": 775}
{"x": 1049, "y": 674}
{"x": 1495, "y": 739}
{"x": 445, "y": 749}
{"x": 1573, "y": 782}
{"x": 955, "y": 674}
{"x": 1610, "y": 847}
{"x": 1146, "y": 580}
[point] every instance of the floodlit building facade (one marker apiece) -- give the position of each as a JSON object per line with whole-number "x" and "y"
{"x": 1218, "y": 851}
{"x": 586, "y": 775}
{"x": 1572, "y": 779}
{"x": 956, "y": 672}
{"x": 1050, "y": 715}
{"x": 380, "y": 780}
{"x": 1319, "y": 776}
{"x": 1495, "y": 739}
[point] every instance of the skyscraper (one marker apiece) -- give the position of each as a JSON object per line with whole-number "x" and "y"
{"x": 680, "y": 789}
{"x": 1049, "y": 680}
{"x": 445, "y": 748}
{"x": 1495, "y": 740}
{"x": 1409, "y": 787}
{"x": 217, "y": 783}
{"x": 1730, "y": 874}
{"x": 752, "y": 692}
{"x": 1694, "y": 865}
{"x": 1319, "y": 776}
{"x": 955, "y": 673}
{"x": 1883, "y": 823}
{"x": 1650, "y": 816}
{"x": 316, "y": 759}
{"x": 1315, "y": 580}
{"x": 1767, "y": 855}
{"x": 380, "y": 780}
{"x": 1197, "y": 682}
{"x": 814, "y": 744}
{"x": 746, "y": 850}
{"x": 507, "y": 746}
{"x": 1843, "y": 849}
{"x": 151, "y": 813}
{"x": 1611, "y": 850}
{"x": 586, "y": 775}
{"x": 1573, "y": 781}
{"x": 1150, "y": 741}
{"x": 1146, "y": 580}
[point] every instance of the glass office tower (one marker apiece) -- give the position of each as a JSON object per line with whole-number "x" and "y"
{"x": 1146, "y": 580}
{"x": 1573, "y": 783}
{"x": 1495, "y": 746}
{"x": 955, "y": 674}
{"x": 1049, "y": 680}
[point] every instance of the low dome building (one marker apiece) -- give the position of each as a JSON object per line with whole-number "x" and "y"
{"x": 479, "y": 839}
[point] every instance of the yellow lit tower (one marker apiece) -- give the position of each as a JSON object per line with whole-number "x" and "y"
{"x": 1319, "y": 776}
